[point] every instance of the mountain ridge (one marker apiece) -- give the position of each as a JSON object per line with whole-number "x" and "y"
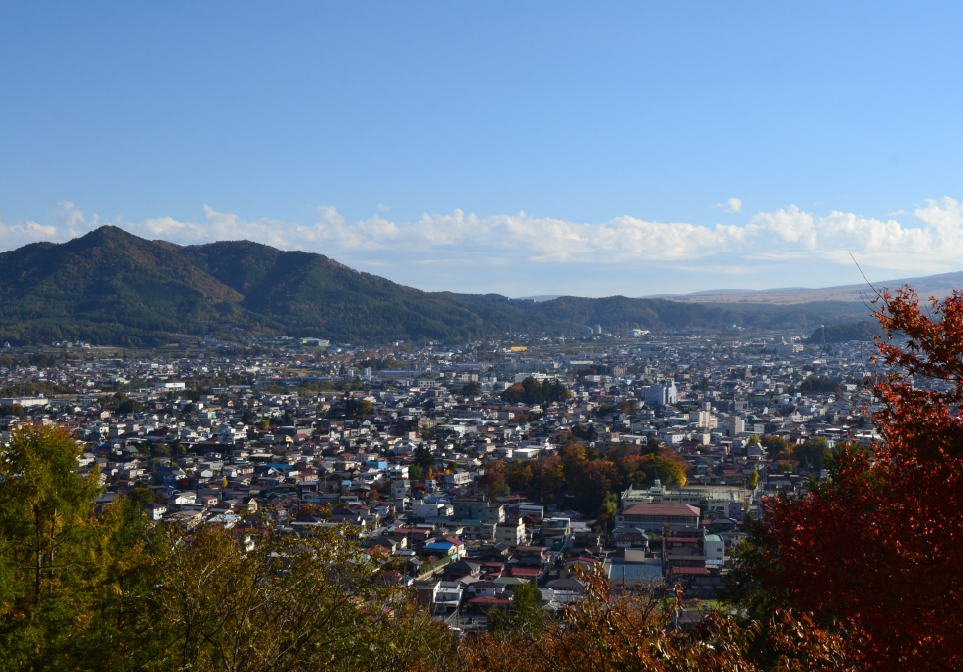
{"x": 112, "y": 287}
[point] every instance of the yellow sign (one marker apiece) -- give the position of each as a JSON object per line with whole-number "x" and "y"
{"x": 519, "y": 348}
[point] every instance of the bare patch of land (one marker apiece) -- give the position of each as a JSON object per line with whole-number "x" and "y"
{"x": 937, "y": 286}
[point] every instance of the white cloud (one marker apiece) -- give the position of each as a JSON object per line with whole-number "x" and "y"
{"x": 38, "y": 230}
{"x": 933, "y": 242}
{"x": 537, "y": 238}
{"x": 935, "y": 245}
{"x": 384, "y": 208}
{"x": 24, "y": 232}
{"x": 228, "y": 226}
{"x": 732, "y": 205}
{"x": 791, "y": 225}
{"x": 936, "y": 242}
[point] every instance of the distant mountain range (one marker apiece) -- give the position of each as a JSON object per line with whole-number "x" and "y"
{"x": 111, "y": 287}
{"x": 938, "y": 286}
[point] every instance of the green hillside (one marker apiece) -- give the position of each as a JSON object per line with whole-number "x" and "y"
{"x": 111, "y": 287}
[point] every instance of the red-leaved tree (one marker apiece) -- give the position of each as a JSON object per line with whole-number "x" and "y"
{"x": 880, "y": 544}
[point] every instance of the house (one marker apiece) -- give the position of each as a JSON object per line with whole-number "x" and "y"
{"x": 511, "y": 532}
{"x": 493, "y": 570}
{"x": 400, "y": 488}
{"x": 430, "y": 508}
{"x": 528, "y": 572}
{"x": 684, "y": 551}
{"x": 385, "y": 545}
{"x": 312, "y": 491}
{"x": 532, "y": 555}
{"x": 460, "y": 548}
{"x": 384, "y": 509}
{"x": 556, "y": 528}
{"x": 425, "y": 593}
{"x": 457, "y": 479}
{"x": 629, "y": 537}
{"x": 656, "y": 516}
{"x": 462, "y": 569}
{"x": 181, "y": 499}
{"x": 485, "y": 589}
{"x": 168, "y": 476}
{"x": 350, "y": 517}
{"x": 444, "y": 548}
{"x": 445, "y": 596}
{"x": 715, "y": 550}
{"x": 156, "y": 511}
{"x": 471, "y": 529}
{"x": 634, "y": 569}
{"x": 536, "y": 511}
{"x": 412, "y": 535}
{"x": 478, "y": 508}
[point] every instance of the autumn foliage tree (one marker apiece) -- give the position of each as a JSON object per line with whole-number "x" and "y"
{"x": 880, "y": 543}
{"x": 776, "y": 446}
{"x": 85, "y": 588}
{"x": 493, "y": 481}
{"x": 588, "y": 477}
{"x": 264, "y": 600}
{"x": 645, "y": 469}
{"x": 637, "y": 633}
{"x": 530, "y": 391}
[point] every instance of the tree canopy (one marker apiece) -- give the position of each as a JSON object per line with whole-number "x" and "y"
{"x": 815, "y": 384}
{"x": 82, "y": 589}
{"x": 531, "y": 392}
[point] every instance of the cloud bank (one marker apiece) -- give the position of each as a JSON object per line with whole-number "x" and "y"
{"x": 932, "y": 242}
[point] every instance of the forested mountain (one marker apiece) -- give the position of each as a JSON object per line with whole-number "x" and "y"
{"x": 111, "y": 287}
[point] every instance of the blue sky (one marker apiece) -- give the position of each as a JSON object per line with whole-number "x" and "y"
{"x": 520, "y": 148}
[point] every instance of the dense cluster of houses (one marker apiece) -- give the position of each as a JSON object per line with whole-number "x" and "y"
{"x": 335, "y": 437}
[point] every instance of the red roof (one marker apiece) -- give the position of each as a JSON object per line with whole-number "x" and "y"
{"x": 525, "y": 572}
{"x": 483, "y": 599}
{"x": 662, "y": 510}
{"x": 580, "y": 559}
{"x": 696, "y": 571}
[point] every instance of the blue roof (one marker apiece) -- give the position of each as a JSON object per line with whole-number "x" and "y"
{"x": 439, "y": 545}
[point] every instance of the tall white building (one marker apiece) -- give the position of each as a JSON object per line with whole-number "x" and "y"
{"x": 704, "y": 418}
{"x": 660, "y": 395}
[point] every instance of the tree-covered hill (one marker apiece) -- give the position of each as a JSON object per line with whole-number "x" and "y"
{"x": 840, "y": 333}
{"x": 111, "y": 287}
